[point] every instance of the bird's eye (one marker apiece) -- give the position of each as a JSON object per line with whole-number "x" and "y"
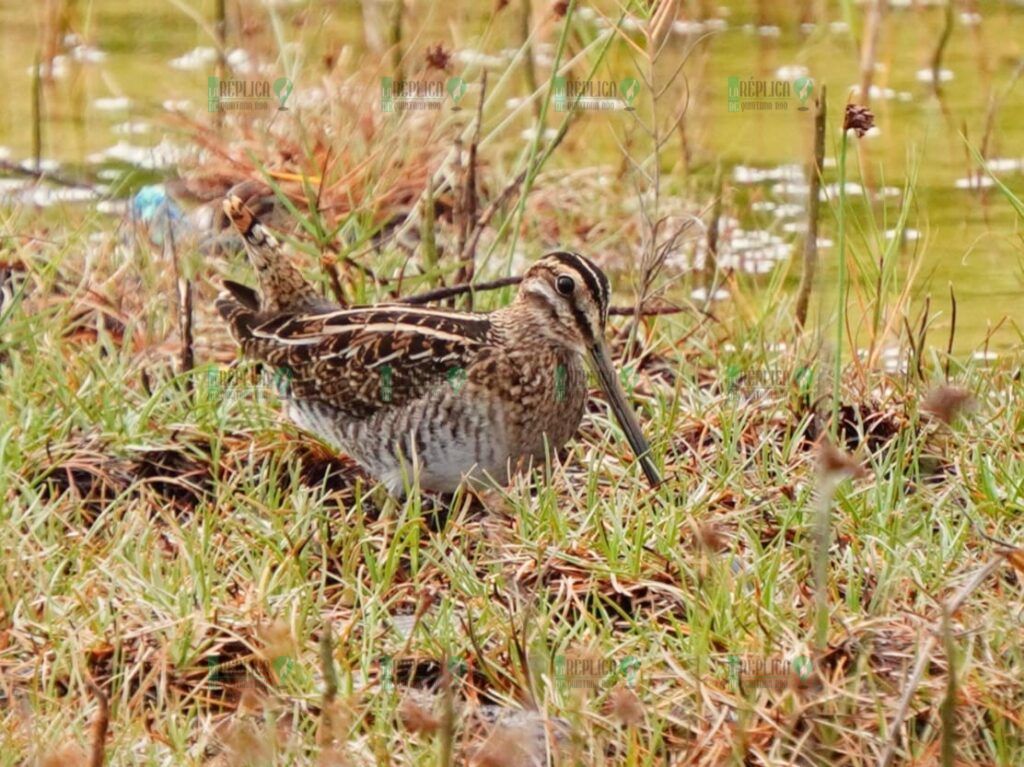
{"x": 565, "y": 285}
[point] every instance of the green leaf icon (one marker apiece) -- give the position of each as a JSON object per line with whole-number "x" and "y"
{"x": 804, "y": 87}
{"x": 456, "y": 88}
{"x": 282, "y": 89}
{"x": 802, "y": 666}
{"x": 628, "y": 90}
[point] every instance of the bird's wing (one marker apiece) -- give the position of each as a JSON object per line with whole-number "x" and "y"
{"x": 365, "y": 359}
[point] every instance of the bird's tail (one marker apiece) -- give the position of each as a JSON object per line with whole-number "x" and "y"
{"x": 283, "y": 288}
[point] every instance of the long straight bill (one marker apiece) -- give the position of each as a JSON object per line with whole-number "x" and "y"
{"x": 623, "y": 412}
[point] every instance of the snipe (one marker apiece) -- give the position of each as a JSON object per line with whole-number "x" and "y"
{"x": 415, "y": 393}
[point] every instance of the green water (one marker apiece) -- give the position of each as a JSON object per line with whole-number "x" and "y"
{"x": 968, "y": 238}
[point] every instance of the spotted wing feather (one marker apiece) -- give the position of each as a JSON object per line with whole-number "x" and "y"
{"x": 362, "y": 360}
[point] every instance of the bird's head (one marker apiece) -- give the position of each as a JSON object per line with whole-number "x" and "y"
{"x": 573, "y": 295}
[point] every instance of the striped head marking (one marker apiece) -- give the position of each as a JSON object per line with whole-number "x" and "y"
{"x": 573, "y": 292}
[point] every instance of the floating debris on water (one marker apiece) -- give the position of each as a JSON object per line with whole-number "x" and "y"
{"x": 112, "y": 207}
{"x": 769, "y": 30}
{"x": 838, "y": 27}
{"x": 196, "y": 59}
{"x": 745, "y": 174}
{"x": 112, "y": 103}
{"x": 789, "y": 210}
{"x": 794, "y": 189}
{"x": 131, "y": 128}
{"x": 791, "y": 72}
{"x": 56, "y": 68}
{"x": 10, "y": 185}
{"x": 879, "y": 93}
{"x": 701, "y": 294}
{"x": 969, "y": 19}
{"x": 974, "y": 182}
{"x": 909, "y": 235}
{"x": 927, "y": 76}
{"x": 45, "y": 165}
{"x": 176, "y": 105}
{"x": 1005, "y": 164}
{"x": 853, "y": 189}
{"x": 163, "y": 155}
{"x": 984, "y": 356}
{"x": 43, "y": 195}
{"x": 531, "y": 133}
{"x": 471, "y": 57}
{"x": 688, "y": 28}
{"x": 88, "y": 54}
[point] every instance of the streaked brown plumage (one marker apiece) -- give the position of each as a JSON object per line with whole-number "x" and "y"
{"x": 428, "y": 395}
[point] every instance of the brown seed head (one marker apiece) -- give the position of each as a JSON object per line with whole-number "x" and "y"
{"x": 624, "y": 705}
{"x": 833, "y": 461}
{"x": 859, "y": 119}
{"x": 945, "y": 402}
{"x": 417, "y": 719}
{"x": 505, "y": 747}
{"x": 438, "y": 57}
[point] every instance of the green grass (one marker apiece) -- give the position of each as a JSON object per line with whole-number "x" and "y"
{"x": 167, "y": 535}
{"x": 206, "y": 551}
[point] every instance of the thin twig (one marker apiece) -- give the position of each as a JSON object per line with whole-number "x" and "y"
{"x": 711, "y": 259}
{"x": 810, "y": 261}
{"x": 457, "y": 290}
{"x": 397, "y": 7}
{"x": 37, "y": 113}
{"x": 952, "y": 329}
{"x": 439, "y": 294}
{"x": 330, "y": 675}
{"x": 947, "y": 31}
{"x": 184, "y": 287}
{"x": 468, "y": 208}
{"x": 869, "y": 49}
